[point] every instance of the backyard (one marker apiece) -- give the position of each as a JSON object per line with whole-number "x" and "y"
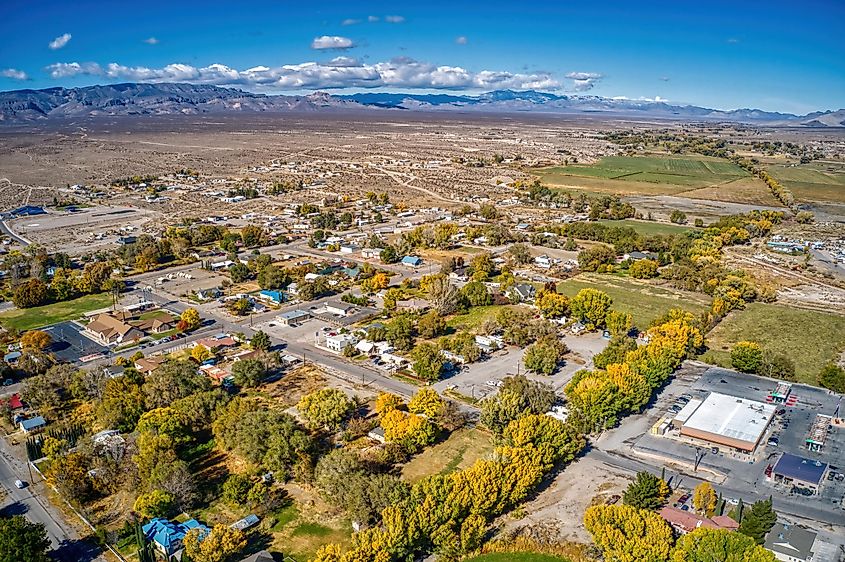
{"x": 459, "y": 451}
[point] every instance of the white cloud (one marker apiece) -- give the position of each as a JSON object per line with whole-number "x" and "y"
{"x": 372, "y": 19}
{"x": 151, "y": 41}
{"x": 340, "y": 72}
{"x": 394, "y": 19}
{"x": 461, "y": 40}
{"x": 14, "y": 74}
{"x": 60, "y": 41}
{"x": 583, "y": 81}
{"x": 350, "y": 21}
{"x": 332, "y": 42}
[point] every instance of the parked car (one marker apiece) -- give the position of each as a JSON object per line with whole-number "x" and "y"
{"x": 20, "y": 484}
{"x": 8, "y": 382}
{"x": 773, "y": 442}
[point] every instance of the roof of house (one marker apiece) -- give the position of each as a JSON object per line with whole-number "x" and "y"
{"x": 148, "y": 364}
{"x": 169, "y": 534}
{"x": 790, "y": 540}
{"x": 339, "y": 305}
{"x": 33, "y": 423}
{"x": 799, "y": 468}
{"x": 689, "y": 521}
{"x": 275, "y": 295}
{"x": 215, "y": 343}
{"x": 260, "y": 556}
{"x": 108, "y": 325}
{"x": 14, "y": 401}
{"x": 413, "y": 260}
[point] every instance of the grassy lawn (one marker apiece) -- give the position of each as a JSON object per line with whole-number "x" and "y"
{"x": 647, "y": 175}
{"x": 36, "y": 317}
{"x": 299, "y": 535}
{"x": 473, "y": 318}
{"x": 642, "y": 300}
{"x": 811, "y": 339}
{"x": 648, "y": 228}
{"x": 515, "y": 557}
{"x": 814, "y": 181}
{"x": 459, "y": 451}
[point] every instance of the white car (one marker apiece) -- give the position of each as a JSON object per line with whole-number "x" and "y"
{"x": 20, "y": 484}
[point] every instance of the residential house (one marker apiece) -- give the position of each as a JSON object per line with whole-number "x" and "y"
{"x": 377, "y": 434}
{"x": 412, "y": 261}
{"x": 208, "y": 294}
{"x": 459, "y": 274}
{"x": 108, "y": 329}
{"x": 260, "y": 556}
{"x": 12, "y": 357}
{"x": 15, "y": 402}
{"x": 578, "y": 328}
{"x": 166, "y": 536}
{"x": 637, "y": 256}
{"x": 146, "y": 365}
{"x": 790, "y": 543}
{"x": 371, "y": 253}
{"x": 157, "y": 324}
{"x": 245, "y": 523}
{"x": 488, "y": 344}
{"x": 217, "y": 343}
{"x": 522, "y": 292}
{"x": 339, "y": 342}
{"x": 366, "y": 347}
{"x": 412, "y": 305}
{"x": 348, "y": 248}
{"x": 113, "y": 371}
{"x": 33, "y": 425}
{"x": 687, "y": 521}
{"x": 293, "y": 288}
{"x": 246, "y": 354}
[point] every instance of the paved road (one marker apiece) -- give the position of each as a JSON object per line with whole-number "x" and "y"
{"x": 5, "y": 229}
{"x": 65, "y": 541}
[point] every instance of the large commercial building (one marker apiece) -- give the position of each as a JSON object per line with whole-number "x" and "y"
{"x": 725, "y": 420}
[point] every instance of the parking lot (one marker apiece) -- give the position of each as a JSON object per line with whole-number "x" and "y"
{"x": 69, "y": 344}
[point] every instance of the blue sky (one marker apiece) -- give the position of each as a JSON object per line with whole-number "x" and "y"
{"x": 776, "y": 55}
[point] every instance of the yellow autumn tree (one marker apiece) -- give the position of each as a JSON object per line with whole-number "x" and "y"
{"x": 221, "y": 543}
{"x": 426, "y": 402}
{"x": 627, "y": 534}
{"x": 704, "y": 499}
{"x": 385, "y": 402}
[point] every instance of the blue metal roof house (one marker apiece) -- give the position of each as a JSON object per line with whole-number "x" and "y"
{"x": 275, "y": 297}
{"x": 413, "y": 261}
{"x": 33, "y": 424}
{"x": 167, "y": 535}
{"x": 27, "y": 211}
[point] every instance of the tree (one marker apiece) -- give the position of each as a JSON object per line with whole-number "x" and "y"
{"x": 201, "y": 353}
{"x": 708, "y": 545}
{"x": 251, "y": 235}
{"x": 627, "y": 534}
{"x": 678, "y": 217}
{"x": 758, "y": 520}
{"x": 551, "y": 440}
{"x": 431, "y": 325}
{"x": 517, "y": 397}
{"x": 411, "y": 431}
{"x": 643, "y": 269}
{"x": 171, "y": 381}
{"x": 249, "y": 372}
{"x": 619, "y": 323}
{"x": 260, "y": 340}
{"x": 552, "y": 304}
{"x": 22, "y": 540}
{"x": 428, "y": 361}
{"x": 389, "y": 255}
{"x": 327, "y": 407}
{"x": 235, "y": 489}
{"x": 191, "y": 318}
{"x": 593, "y": 259}
{"x": 542, "y": 357}
{"x": 239, "y": 272}
{"x": 747, "y": 356}
{"x": 591, "y": 307}
{"x": 427, "y": 402}
{"x": 444, "y": 297}
{"x": 400, "y": 333}
{"x": 832, "y": 377}
{"x": 273, "y": 278}
{"x": 704, "y": 499}
{"x": 520, "y": 254}
{"x": 385, "y": 402}
{"x": 31, "y": 293}
{"x": 156, "y": 503}
{"x": 69, "y": 473}
{"x": 377, "y": 282}
{"x": 776, "y": 366}
{"x": 646, "y": 492}
{"x": 221, "y": 543}
{"x": 36, "y": 339}
{"x": 475, "y": 293}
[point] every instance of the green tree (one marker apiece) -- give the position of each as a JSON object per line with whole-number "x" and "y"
{"x": 431, "y": 325}
{"x": 156, "y": 503}
{"x": 758, "y": 520}
{"x": 31, "y": 293}
{"x": 747, "y": 356}
{"x": 239, "y": 272}
{"x": 646, "y": 492}
{"x": 235, "y": 489}
{"x": 593, "y": 258}
{"x": 171, "y": 381}
{"x": 517, "y": 397}
{"x": 249, "y": 372}
{"x": 475, "y": 293}
{"x": 643, "y": 269}
{"x": 428, "y": 361}
{"x": 520, "y": 253}
{"x": 260, "y": 340}
{"x": 400, "y": 333}
{"x": 709, "y": 545}
{"x": 832, "y": 377}
{"x": 389, "y": 255}
{"x": 327, "y": 407}
{"x": 678, "y": 217}
{"x": 21, "y": 540}
{"x": 542, "y": 357}
{"x": 591, "y": 307}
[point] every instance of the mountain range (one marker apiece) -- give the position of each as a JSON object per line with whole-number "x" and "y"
{"x": 19, "y": 106}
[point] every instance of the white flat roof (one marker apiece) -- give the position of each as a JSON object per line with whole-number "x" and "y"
{"x": 729, "y": 416}
{"x": 687, "y": 411}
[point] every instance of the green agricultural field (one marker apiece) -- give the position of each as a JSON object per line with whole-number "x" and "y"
{"x": 810, "y": 338}
{"x": 645, "y": 175}
{"x": 643, "y": 300}
{"x": 648, "y": 228}
{"x": 516, "y": 557}
{"x": 28, "y": 318}
{"x": 812, "y": 182}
